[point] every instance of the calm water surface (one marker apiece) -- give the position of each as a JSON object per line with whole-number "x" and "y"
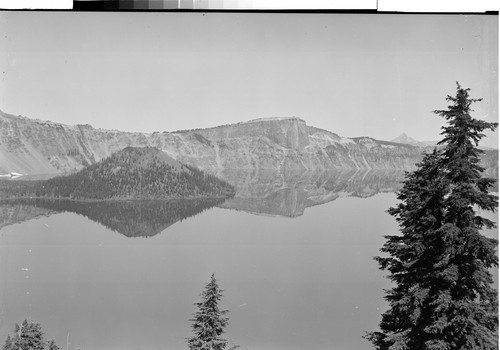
{"x": 307, "y": 282}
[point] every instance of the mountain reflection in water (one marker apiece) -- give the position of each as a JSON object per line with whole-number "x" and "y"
{"x": 267, "y": 193}
{"x": 262, "y": 193}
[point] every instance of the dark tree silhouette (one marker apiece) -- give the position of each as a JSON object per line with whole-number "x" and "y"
{"x": 209, "y": 321}
{"x": 28, "y": 336}
{"x": 443, "y": 297}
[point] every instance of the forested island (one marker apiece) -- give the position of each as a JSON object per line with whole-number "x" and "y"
{"x": 130, "y": 174}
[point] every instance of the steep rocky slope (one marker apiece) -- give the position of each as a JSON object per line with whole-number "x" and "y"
{"x": 31, "y": 146}
{"x": 36, "y": 147}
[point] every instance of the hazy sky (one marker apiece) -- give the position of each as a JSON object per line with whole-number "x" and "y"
{"x": 375, "y": 75}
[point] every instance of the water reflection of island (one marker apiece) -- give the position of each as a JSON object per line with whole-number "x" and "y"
{"x": 262, "y": 193}
{"x": 130, "y": 218}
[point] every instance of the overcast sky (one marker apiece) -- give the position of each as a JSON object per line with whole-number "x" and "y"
{"x": 355, "y": 75}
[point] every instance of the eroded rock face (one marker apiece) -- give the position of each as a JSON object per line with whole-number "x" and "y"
{"x": 280, "y": 145}
{"x": 36, "y": 147}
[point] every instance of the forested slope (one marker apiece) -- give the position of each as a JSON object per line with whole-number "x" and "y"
{"x": 132, "y": 173}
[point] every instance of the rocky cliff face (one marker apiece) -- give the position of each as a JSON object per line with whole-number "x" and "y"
{"x": 38, "y": 147}
{"x": 280, "y": 145}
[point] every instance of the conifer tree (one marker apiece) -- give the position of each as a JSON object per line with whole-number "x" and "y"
{"x": 209, "y": 321}
{"x": 52, "y": 345}
{"x": 9, "y": 344}
{"x": 443, "y": 297}
{"x": 28, "y": 336}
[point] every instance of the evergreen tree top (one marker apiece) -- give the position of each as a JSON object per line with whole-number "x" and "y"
{"x": 208, "y": 321}
{"x": 443, "y": 298}
{"x": 462, "y": 128}
{"x": 28, "y": 336}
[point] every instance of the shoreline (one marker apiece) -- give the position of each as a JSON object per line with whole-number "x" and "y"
{"x": 114, "y": 199}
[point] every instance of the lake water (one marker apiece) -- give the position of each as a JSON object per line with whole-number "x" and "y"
{"x": 299, "y": 275}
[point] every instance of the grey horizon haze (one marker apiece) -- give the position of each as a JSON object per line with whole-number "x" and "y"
{"x": 352, "y": 74}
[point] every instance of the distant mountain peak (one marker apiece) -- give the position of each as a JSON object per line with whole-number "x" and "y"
{"x": 405, "y": 139}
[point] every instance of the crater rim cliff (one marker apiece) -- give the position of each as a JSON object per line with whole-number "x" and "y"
{"x": 280, "y": 144}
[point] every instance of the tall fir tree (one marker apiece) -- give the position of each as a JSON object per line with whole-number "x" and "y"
{"x": 443, "y": 297}
{"x": 209, "y": 321}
